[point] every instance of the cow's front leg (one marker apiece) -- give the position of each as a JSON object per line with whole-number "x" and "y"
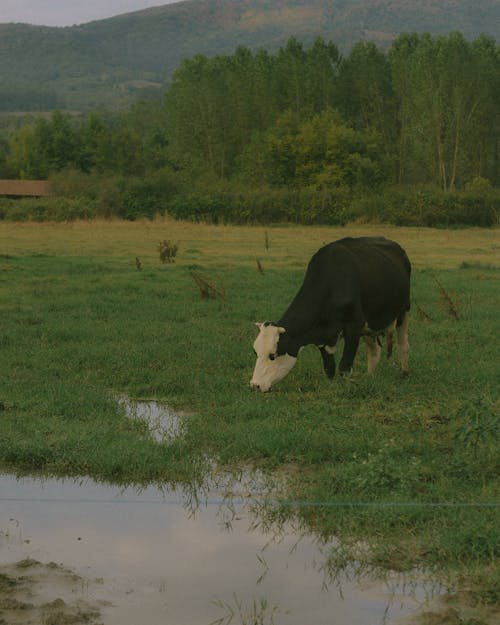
{"x": 327, "y": 354}
{"x": 351, "y": 343}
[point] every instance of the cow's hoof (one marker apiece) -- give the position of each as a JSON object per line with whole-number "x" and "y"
{"x": 345, "y": 373}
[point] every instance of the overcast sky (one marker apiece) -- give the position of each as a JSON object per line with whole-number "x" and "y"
{"x": 69, "y": 12}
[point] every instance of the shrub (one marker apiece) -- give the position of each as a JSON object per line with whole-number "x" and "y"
{"x": 139, "y": 199}
{"x": 117, "y": 196}
{"x": 47, "y": 209}
{"x": 150, "y": 195}
{"x": 74, "y": 183}
{"x": 423, "y": 206}
{"x": 263, "y": 205}
{"x": 200, "y": 207}
{"x": 88, "y": 195}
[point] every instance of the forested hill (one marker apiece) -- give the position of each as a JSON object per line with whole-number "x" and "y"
{"x": 108, "y": 63}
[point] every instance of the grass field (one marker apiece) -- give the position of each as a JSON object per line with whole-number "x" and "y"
{"x": 239, "y": 246}
{"x": 80, "y": 324}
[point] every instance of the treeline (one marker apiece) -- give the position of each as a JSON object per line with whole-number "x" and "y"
{"x": 409, "y": 135}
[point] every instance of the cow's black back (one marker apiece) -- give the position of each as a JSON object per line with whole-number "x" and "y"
{"x": 358, "y": 282}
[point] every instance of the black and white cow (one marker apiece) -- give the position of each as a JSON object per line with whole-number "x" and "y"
{"x": 353, "y": 288}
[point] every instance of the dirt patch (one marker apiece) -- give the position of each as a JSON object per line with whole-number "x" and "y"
{"x": 32, "y": 593}
{"x": 459, "y": 613}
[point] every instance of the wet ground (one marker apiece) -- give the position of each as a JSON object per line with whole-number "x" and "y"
{"x": 164, "y": 424}
{"x": 144, "y": 558}
{"x": 74, "y": 552}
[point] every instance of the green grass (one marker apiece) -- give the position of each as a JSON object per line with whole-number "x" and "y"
{"x": 76, "y": 331}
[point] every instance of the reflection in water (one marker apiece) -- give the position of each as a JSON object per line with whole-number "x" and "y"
{"x": 166, "y": 557}
{"x": 163, "y": 424}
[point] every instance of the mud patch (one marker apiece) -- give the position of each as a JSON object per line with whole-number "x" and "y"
{"x": 32, "y": 593}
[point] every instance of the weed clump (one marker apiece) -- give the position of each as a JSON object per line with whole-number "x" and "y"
{"x": 168, "y": 251}
{"x": 258, "y": 613}
{"x": 477, "y": 425}
{"x": 448, "y": 302}
{"x": 422, "y": 315}
{"x": 208, "y": 290}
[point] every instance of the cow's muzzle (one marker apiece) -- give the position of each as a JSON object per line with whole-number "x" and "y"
{"x": 259, "y": 387}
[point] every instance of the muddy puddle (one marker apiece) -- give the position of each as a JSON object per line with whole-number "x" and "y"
{"x": 76, "y": 551}
{"x": 164, "y": 425}
{"x": 102, "y": 554}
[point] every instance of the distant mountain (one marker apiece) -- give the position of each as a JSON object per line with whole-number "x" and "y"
{"x": 109, "y": 63}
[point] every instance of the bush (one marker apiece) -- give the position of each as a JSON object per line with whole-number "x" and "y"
{"x": 115, "y": 196}
{"x": 74, "y": 183}
{"x": 200, "y": 207}
{"x": 104, "y": 192}
{"x": 46, "y": 209}
{"x": 424, "y": 206}
{"x": 265, "y": 205}
{"x": 139, "y": 199}
{"x": 150, "y": 195}
{"x": 399, "y": 206}
{"x": 85, "y": 196}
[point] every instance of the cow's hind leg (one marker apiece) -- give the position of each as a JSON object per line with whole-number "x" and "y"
{"x": 389, "y": 333}
{"x": 374, "y": 350}
{"x": 327, "y": 354}
{"x": 351, "y": 343}
{"x": 403, "y": 344}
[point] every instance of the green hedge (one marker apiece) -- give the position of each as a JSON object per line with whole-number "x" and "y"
{"x": 118, "y": 196}
{"x": 135, "y": 198}
{"x": 266, "y": 205}
{"x": 430, "y": 207}
{"x": 404, "y": 207}
{"x": 46, "y": 209}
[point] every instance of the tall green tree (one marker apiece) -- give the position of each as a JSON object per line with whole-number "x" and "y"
{"x": 321, "y": 152}
{"x": 62, "y": 147}
{"x": 214, "y": 106}
{"x": 324, "y": 63}
{"x": 304, "y": 78}
{"x": 95, "y": 136}
{"x": 47, "y": 146}
{"x": 483, "y": 122}
{"x": 365, "y": 94}
{"x": 447, "y": 92}
{"x": 400, "y": 59}
{"x": 198, "y": 113}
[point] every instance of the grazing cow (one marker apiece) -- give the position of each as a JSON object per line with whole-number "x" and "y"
{"x": 353, "y": 288}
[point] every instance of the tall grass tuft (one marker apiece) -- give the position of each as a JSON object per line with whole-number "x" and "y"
{"x": 208, "y": 290}
{"x": 448, "y": 303}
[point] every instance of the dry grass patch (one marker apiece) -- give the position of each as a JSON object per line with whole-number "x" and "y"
{"x": 240, "y": 245}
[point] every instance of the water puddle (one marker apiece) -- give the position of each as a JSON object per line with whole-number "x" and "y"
{"x": 168, "y": 558}
{"x": 164, "y": 425}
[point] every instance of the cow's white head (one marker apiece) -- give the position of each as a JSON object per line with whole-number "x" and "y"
{"x": 270, "y": 367}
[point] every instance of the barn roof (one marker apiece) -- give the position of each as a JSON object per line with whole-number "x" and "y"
{"x": 24, "y": 187}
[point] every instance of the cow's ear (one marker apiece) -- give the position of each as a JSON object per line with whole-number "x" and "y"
{"x": 259, "y": 324}
{"x": 281, "y": 330}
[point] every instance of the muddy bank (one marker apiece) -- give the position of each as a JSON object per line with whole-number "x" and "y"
{"x": 32, "y": 593}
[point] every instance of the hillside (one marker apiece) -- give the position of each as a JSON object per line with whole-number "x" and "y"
{"x": 111, "y": 62}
